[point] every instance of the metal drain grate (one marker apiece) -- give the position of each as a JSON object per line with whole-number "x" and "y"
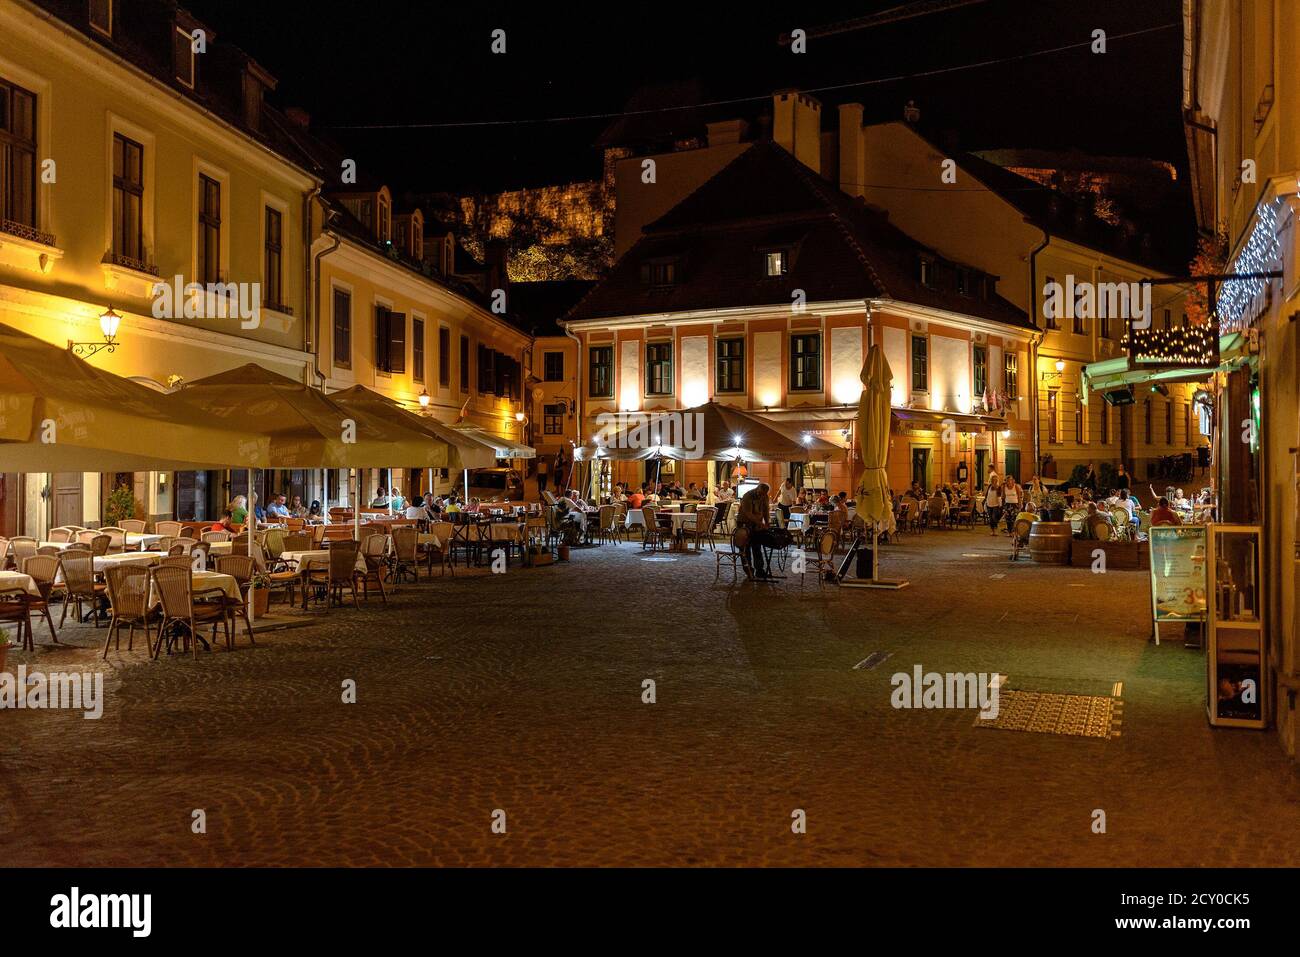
{"x": 1046, "y": 712}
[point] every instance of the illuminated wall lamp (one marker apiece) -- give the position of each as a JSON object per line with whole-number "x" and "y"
{"x": 109, "y": 322}
{"x": 1060, "y": 367}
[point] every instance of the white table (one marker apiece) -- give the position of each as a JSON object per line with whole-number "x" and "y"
{"x": 19, "y": 580}
{"x": 222, "y": 548}
{"x": 634, "y": 518}
{"x": 135, "y": 540}
{"x": 147, "y": 559}
{"x": 202, "y": 581}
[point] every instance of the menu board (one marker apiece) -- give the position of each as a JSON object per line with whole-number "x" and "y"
{"x": 1178, "y": 572}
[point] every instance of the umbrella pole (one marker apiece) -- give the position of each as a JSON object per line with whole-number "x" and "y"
{"x": 356, "y": 504}
{"x": 251, "y": 519}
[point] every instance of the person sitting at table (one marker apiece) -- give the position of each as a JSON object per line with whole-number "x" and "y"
{"x": 297, "y": 509}
{"x": 693, "y": 493}
{"x": 725, "y": 492}
{"x": 239, "y": 510}
{"x": 840, "y": 504}
{"x": 277, "y": 508}
{"x": 635, "y": 499}
{"x": 1162, "y": 514}
{"x": 823, "y": 501}
{"x": 1180, "y": 500}
{"x": 381, "y": 498}
{"x": 1092, "y": 517}
{"x": 316, "y": 513}
{"x": 396, "y": 501}
{"x": 451, "y": 506}
{"x": 259, "y": 512}
{"x": 573, "y": 509}
{"x": 416, "y": 510}
{"x": 224, "y": 524}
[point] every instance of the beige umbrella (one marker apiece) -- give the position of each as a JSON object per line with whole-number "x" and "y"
{"x": 873, "y": 442}
{"x": 58, "y": 413}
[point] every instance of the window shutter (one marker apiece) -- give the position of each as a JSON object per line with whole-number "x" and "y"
{"x": 382, "y": 321}
{"x": 397, "y": 342}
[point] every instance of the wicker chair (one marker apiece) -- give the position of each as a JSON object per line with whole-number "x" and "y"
{"x": 54, "y": 550}
{"x": 134, "y": 526}
{"x": 704, "y": 518}
{"x": 652, "y": 536}
{"x": 64, "y": 534}
{"x": 175, "y": 548}
{"x": 100, "y": 544}
{"x": 373, "y": 548}
{"x": 215, "y": 537}
{"x": 22, "y": 549}
{"x": 4, "y": 553}
{"x": 177, "y": 561}
{"x": 821, "y": 560}
{"x": 14, "y": 611}
{"x": 80, "y": 586}
{"x": 43, "y": 569}
{"x": 735, "y": 556}
{"x": 117, "y": 538}
{"x": 241, "y": 569}
{"x": 175, "y": 589}
{"x": 340, "y": 573}
{"x": 128, "y": 596}
{"x": 169, "y": 529}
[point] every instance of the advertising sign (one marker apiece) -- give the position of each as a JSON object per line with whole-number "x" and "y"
{"x": 1178, "y": 572}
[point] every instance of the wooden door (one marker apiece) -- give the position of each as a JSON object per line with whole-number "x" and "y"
{"x": 10, "y": 500}
{"x": 67, "y": 498}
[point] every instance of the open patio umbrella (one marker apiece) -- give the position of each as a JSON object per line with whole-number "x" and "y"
{"x": 711, "y": 431}
{"x": 873, "y": 441}
{"x": 58, "y": 413}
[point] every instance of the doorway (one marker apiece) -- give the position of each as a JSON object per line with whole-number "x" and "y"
{"x": 66, "y": 491}
{"x": 1013, "y": 464}
{"x": 981, "y": 467}
{"x": 921, "y": 468}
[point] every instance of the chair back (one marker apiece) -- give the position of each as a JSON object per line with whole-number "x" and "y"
{"x": 373, "y": 545}
{"x": 204, "y": 548}
{"x": 43, "y": 569}
{"x": 607, "y": 513}
{"x": 1022, "y": 528}
{"x": 740, "y": 538}
{"x": 116, "y": 535}
{"x": 297, "y": 543}
{"x": 74, "y": 547}
{"x": 177, "y": 561}
{"x": 99, "y": 544}
{"x": 23, "y": 551}
{"x": 86, "y": 535}
{"x": 239, "y": 567}
{"x": 343, "y": 559}
{"x": 63, "y": 534}
{"x": 51, "y": 550}
{"x": 295, "y": 524}
{"x": 128, "y": 590}
{"x": 79, "y": 572}
{"x": 826, "y": 545}
{"x": 177, "y": 548}
{"x": 169, "y": 529}
{"x": 337, "y": 533}
{"x": 443, "y": 531}
{"x": 134, "y": 526}
{"x": 216, "y": 536}
{"x": 404, "y": 541}
{"x": 175, "y": 588}
{"x": 648, "y": 515}
{"x": 704, "y": 519}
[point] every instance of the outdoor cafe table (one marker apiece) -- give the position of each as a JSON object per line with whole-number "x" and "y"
{"x": 202, "y": 581}
{"x": 680, "y": 521}
{"x": 135, "y": 540}
{"x": 103, "y": 563}
{"x": 19, "y": 580}
{"x": 317, "y": 558}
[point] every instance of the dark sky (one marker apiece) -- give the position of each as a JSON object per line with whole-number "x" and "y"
{"x": 389, "y": 62}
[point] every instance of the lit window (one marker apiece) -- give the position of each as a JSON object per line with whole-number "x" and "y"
{"x": 776, "y": 262}
{"x": 806, "y": 362}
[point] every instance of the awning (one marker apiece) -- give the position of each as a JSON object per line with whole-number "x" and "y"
{"x": 1115, "y": 373}
{"x": 962, "y": 422}
{"x": 502, "y": 446}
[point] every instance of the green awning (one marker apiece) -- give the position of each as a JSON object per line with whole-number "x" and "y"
{"x": 1115, "y": 373}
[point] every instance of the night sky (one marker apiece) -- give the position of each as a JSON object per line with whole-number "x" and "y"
{"x": 355, "y": 64}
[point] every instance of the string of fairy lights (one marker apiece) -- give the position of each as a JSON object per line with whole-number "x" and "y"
{"x": 1261, "y": 252}
{"x": 1194, "y": 346}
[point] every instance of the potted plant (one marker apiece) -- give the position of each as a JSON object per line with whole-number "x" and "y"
{"x": 120, "y": 504}
{"x": 1055, "y": 510}
{"x": 261, "y": 585}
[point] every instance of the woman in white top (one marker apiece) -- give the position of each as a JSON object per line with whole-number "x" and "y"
{"x": 1010, "y": 501}
{"x": 993, "y": 502}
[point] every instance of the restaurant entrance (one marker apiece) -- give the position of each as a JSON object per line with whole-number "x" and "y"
{"x": 921, "y": 467}
{"x": 1012, "y": 457}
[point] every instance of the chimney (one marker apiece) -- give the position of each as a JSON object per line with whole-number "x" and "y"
{"x": 298, "y": 117}
{"x": 254, "y": 82}
{"x": 853, "y": 171}
{"x": 797, "y": 126}
{"x": 497, "y": 260}
{"x": 727, "y": 131}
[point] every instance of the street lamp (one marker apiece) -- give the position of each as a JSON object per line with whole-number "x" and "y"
{"x": 424, "y": 398}
{"x": 109, "y": 322}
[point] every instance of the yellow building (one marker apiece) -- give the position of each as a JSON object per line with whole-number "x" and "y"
{"x": 134, "y": 164}
{"x": 1241, "y": 100}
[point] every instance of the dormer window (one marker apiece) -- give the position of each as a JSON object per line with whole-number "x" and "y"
{"x": 661, "y": 272}
{"x": 183, "y": 56}
{"x": 101, "y": 16}
{"x": 776, "y": 262}
{"x": 384, "y": 227}
{"x": 927, "y": 273}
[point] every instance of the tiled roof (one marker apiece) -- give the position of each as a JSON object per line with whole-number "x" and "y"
{"x": 765, "y": 198}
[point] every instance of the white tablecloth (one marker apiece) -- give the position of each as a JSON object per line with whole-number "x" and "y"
{"x": 317, "y": 558}
{"x": 19, "y": 580}
{"x": 202, "y": 581}
{"x": 635, "y": 518}
{"x": 134, "y": 540}
{"x": 146, "y": 559}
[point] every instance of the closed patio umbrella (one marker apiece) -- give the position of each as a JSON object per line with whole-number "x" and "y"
{"x": 873, "y": 441}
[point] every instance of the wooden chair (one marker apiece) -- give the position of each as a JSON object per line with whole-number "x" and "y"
{"x": 175, "y": 588}
{"x": 133, "y": 526}
{"x": 14, "y": 611}
{"x": 405, "y": 560}
{"x": 241, "y": 569}
{"x": 128, "y": 597}
{"x": 43, "y": 569}
{"x": 704, "y": 527}
{"x": 340, "y": 573}
{"x": 735, "y": 556}
{"x": 443, "y": 532}
{"x": 373, "y": 548}
{"x": 169, "y": 529}
{"x": 607, "y": 530}
{"x": 79, "y": 586}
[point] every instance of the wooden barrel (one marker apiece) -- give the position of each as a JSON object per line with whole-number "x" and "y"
{"x": 1049, "y": 542}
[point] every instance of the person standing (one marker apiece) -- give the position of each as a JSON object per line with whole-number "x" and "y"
{"x": 785, "y": 498}
{"x": 753, "y": 516}
{"x": 543, "y": 466}
{"x": 993, "y": 502}
{"x": 1010, "y": 501}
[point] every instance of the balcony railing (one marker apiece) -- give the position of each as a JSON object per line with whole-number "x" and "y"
{"x": 129, "y": 262}
{"x": 23, "y": 231}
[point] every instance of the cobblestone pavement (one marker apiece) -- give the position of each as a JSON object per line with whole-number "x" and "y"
{"x": 523, "y": 692}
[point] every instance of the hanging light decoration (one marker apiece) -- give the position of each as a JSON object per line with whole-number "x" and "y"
{"x": 1261, "y": 252}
